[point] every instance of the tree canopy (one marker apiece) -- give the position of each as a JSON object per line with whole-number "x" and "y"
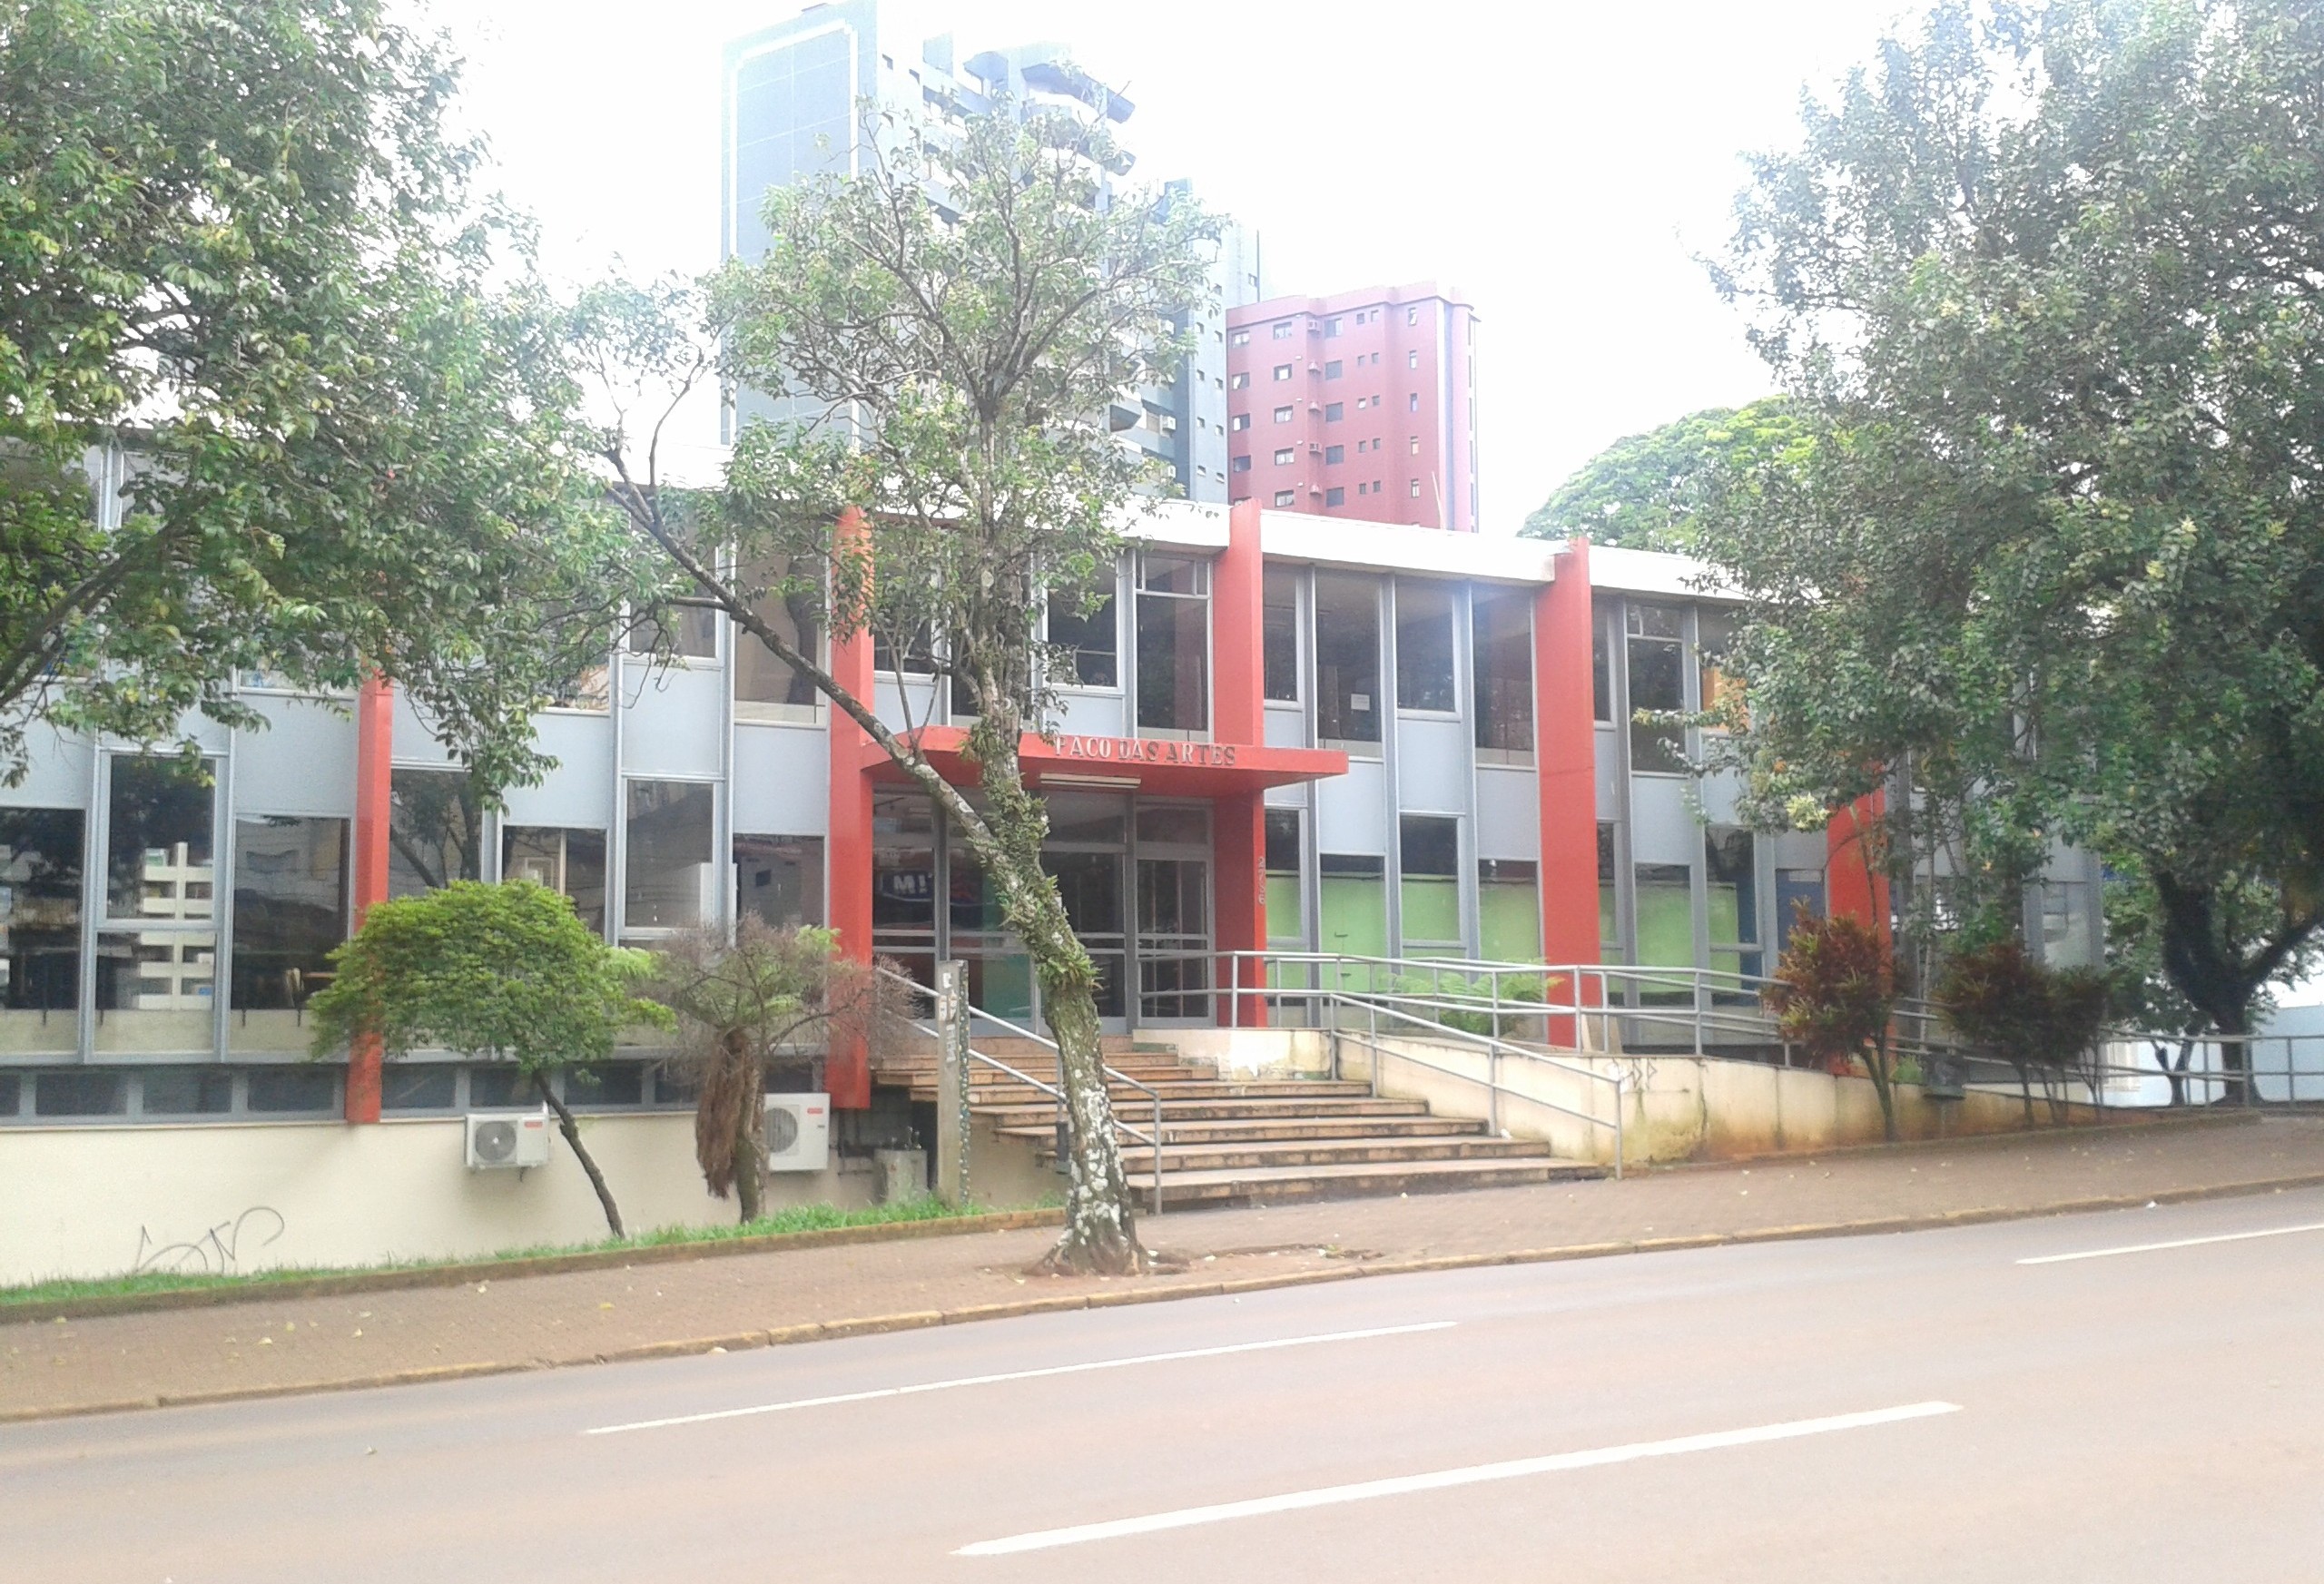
{"x": 243, "y": 278}
{"x": 1644, "y": 492}
{"x": 2046, "y": 289}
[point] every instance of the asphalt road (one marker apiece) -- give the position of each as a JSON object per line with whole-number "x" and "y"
{"x": 1918, "y": 1407}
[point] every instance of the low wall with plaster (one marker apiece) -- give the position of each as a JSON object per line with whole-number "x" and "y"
{"x": 106, "y": 1201}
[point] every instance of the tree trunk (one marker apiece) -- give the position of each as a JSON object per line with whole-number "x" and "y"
{"x": 565, "y": 1124}
{"x": 1883, "y": 1084}
{"x": 748, "y": 1179}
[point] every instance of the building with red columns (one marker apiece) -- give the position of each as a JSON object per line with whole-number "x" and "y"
{"x": 1359, "y": 406}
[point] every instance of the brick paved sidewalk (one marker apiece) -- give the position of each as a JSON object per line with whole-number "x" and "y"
{"x": 275, "y": 1344}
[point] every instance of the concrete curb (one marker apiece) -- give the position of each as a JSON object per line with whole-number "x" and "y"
{"x": 926, "y": 1319}
{"x": 463, "y": 1271}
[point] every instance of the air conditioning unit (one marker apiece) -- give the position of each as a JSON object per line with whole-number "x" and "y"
{"x": 504, "y": 1139}
{"x": 798, "y": 1133}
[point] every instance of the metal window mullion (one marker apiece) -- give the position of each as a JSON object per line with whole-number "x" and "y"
{"x": 221, "y": 901}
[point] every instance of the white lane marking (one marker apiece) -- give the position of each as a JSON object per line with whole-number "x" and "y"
{"x": 2100, "y": 1253}
{"x": 1369, "y": 1489}
{"x": 1334, "y": 1495}
{"x": 1192, "y": 1352}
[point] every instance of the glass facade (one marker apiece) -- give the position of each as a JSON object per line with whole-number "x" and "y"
{"x": 1173, "y": 644}
{"x": 1279, "y": 635}
{"x": 40, "y": 929}
{"x": 1347, "y": 663}
{"x": 435, "y": 830}
{"x": 1424, "y": 664}
{"x": 289, "y": 913}
{"x": 1088, "y": 637}
{"x": 157, "y": 946}
{"x": 766, "y": 686}
{"x": 1502, "y": 656}
{"x": 1428, "y": 891}
{"x": 669, "y": 858}
{"x": 569, "y": 861}
{"x": 779, "y": 880}
{"x": 1657, "y": 681}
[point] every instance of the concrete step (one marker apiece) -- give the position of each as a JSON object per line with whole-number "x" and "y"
{"x": 1042, "y": 1109}
{"x": 1238, "y": 1129}
{"x": 1180, "y": 1160}
{"x": 1264, "y": 1185}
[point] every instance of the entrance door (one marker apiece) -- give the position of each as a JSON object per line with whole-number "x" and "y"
{"x": 1087, "y": 852}
{"x": 1174, "y": 934}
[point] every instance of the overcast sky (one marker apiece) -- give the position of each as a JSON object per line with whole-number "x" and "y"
{"x": 1563, "y": 164}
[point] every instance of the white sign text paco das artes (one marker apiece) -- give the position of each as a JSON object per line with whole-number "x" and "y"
{"x": 1147, "y": 751}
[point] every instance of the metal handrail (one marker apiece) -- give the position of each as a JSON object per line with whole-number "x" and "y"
{"x": 1056, "y": 1094}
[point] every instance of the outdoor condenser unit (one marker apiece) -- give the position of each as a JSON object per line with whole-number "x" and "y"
{"x": 798, "y": 1133}
{"x": 504, "y": 1140}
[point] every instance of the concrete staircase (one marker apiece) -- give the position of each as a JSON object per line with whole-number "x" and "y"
{"x": 1228, "y": 1141}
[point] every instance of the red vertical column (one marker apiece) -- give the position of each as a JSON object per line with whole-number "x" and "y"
{"x": 374, "y": 725}
{"x": 1238, "y": 715}
{"x": 1565, "y": 756}
{"x": 847, "y": 1069}
{"x": 1856, "y": 881}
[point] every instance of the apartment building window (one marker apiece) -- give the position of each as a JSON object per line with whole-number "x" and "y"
{"x": 1412, "y": 316}
{"x": 668, "y": 858}
{"x": 1332, "y": 326}
{"x": 1411, "y": 358}
{"x": 766, "y": 687}
{"x": 1240, "y": 464}
{"x": 1173, "y": 644}
{"x": 1283, "y": 330}
{"x": 1238, "y": 382}
{"x": 1424, "y": 646}
{"x": 1346, "y": 639}
{"x": 289, "y": 911}
{"x": 1509, "y": 909}
{"x": 435, "y": 830}
{"x": 1283, "y": 459}
{"x": 1411, "y": 402}
{"x": 1279, "y": 634}
{"x": 1415, "y": 445}
{"x": 1334, "y": 454}
{"x": 1657, "y": 650}
{"x": 1333, "y": 411}
{"x": 1332, "y": 370}
{"x": 1240, "y": 339}
{"x": 1238, "y": 423}
{"x": 1415, "y": 489}
{"x": 779, "y": 880}
{"x": 40, "y": 930}
{"x": 1286, "y": 496}
{"x": 1089, "y": 637}
{"x": 1429, "y": 887}
{"x": 158, "y": 949}
{"x": 567, "y": 860}
{"x": 1283, "y": 370}
{"x": 1282, "y": 415}
{"x": 1501, "y": 643}
{"x": 1335, "y": 496}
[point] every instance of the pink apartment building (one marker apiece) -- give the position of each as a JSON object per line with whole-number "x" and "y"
{"x": 1362, "y": 405}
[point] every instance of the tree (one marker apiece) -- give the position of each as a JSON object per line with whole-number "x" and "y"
{"x": 1833, "y": 994}
{"x": 501, "y": 972}
{"x": 1643, "y": 492}
{"x": 961, "y": 313}
{"x": 2044, "y": 288}
{"x": 740, "y": 1006}
{"x": 240, "y": 262}
{"x": 2035, "y": 1018}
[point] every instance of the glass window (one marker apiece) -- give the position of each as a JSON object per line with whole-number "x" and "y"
{"x": 1334, "y": 454}
{"x": 1714, "y": 633}
{"x": 1286, "y": 897}
{"x": 156, "y": 979}
{"x": 613, "y": 1083}
{"x": 432, "y": 1087}
{"x": 668, "y": 880}
{"x": 12, "y": 1094}
{"x": 1283, "y": 459}
{"x": 1283, "y": 370}
{"x": 1239, "y": 465}
{"x": 1332, "y": 410}
{"x": 1090, "y": 636}
{"x": 919, "y": 656}
{"x": 288, "y": 1090}
{"x": 1238, "y": 382}
{"x": 688, "y": 631}
{"x": 1424, "y": 645}
{"x": 1732, "y": 879}
{"x": 435, "y": 830}
{"x": 903, "y": 880}
{"x": 184, "y": 1091}
{"x": 89, "y": 1092}
{"x": 1658, "y": 677}
{"x": 1500, "y": 642}
{"x": 1602, "y": 670}
{"x": 1509, "y": 909}
{"x": 767, "y": 688}
{"x": 779, "y": 880}
{"x": 158, "y": 841}
{"x": 1354, "y": 906}
{"x": 1429, "y": 893}
{"x": 1335, "y": 496}
{"x": 1283, "y": 330}
{"x": 1286, "y": 496}
{"x": 40, "y": 930}
{"x": 499, "y": 1085}
{"x": 1608, "y": 934}
{"x": 1239, "y": 422}
{"x": 1332, "y": 370}
{"x": 1347, "y": 659}
{"x": 1279, "y": 633}
{"x": 290, "y": 913}
{"x": 1666, "y": 916}
{"x": 1282, "y": 415}
{"x": 569, "y": 861}
{"x": 1173, "y": 644}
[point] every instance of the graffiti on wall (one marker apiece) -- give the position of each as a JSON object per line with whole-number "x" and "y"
{"x": 217, "y": 1251}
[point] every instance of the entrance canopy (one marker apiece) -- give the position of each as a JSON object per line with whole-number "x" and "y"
{"x": 1156, "y": 766}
